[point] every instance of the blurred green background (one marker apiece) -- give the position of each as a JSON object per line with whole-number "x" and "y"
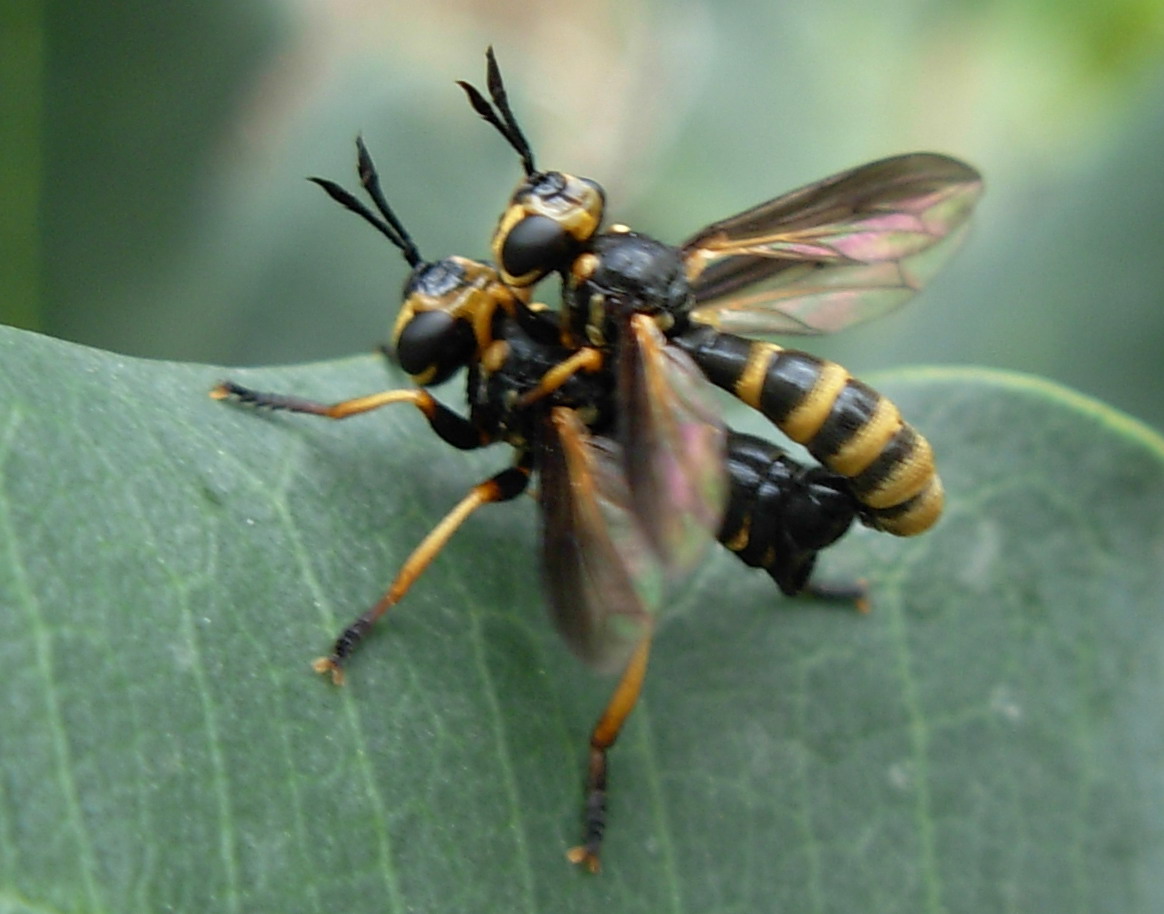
{"x": 152, "y": 159}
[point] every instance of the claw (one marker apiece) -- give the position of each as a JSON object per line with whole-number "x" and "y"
{"x": 853, "y": 592}
{"x": 586, "y": 857}
{"x": 331, "y": 665}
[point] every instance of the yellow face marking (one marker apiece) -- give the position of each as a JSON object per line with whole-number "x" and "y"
{"x": 802, "y": 424}
{"x": 908, "y": 478}
{"x": 750, "y": 383}
{"x": 577, "y": 208}
{"x": 580, "y": 223}
{"x": 424, "y": 377}
{"x": 407, "y": 312}
{"x": 868, "y": 442}
{"x": 512, "y": 215}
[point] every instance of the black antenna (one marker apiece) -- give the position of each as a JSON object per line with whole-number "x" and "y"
{"x": 501, "y": 100}
{"x": 390, "y": 227}
{"x": 502, "y": 118}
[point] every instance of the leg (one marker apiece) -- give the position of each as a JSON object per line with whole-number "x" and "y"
{"x": 585, "y": 359}
{"x": 453, "y": 429}
{"x": 605, "y": 732}
{"x": 854, "y": 592}
{"x": 507, "y": 484}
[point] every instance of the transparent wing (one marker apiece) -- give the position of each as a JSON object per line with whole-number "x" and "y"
{"x": 673, "y": 446}
{"x": 603, "y": 579}
{"x": 844, "y": 250}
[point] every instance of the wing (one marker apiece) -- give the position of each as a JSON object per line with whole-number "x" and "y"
{"x": 603, "y": 579}
{"x": 673, "y": 446}
{"x": 844, "y": 250}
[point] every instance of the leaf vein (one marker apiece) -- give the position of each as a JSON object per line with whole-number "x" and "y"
{"x": 46, "y": 665}
{"x": 302, "y": 558}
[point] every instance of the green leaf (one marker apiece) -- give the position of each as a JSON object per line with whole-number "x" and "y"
{"x": 988, "y": 738}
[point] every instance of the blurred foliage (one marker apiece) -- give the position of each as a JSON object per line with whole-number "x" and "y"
{"x": 154, "y": 156}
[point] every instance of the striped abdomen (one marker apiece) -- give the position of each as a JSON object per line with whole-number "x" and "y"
{"x": 845, "y": 424}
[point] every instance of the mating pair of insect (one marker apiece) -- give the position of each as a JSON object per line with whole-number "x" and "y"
{"x": 605, "y": 397}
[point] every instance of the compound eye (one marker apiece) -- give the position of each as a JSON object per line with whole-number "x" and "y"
{"x": 534, "y": 247}
{"x": 433, "y": 345}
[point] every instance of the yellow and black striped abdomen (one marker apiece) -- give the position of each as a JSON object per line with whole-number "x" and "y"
{"x": 845, "y": 424}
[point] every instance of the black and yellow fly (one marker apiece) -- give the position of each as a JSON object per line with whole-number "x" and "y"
{"x": 606, "y": 398}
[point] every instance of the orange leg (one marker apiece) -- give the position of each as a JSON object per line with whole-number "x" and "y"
{"x": 456, "y": 430}
{"x": 507, "y": 484}
{"x": 605, "y": 732}
{"x": 585, "y": 359}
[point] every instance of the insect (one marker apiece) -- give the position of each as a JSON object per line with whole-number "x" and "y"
{"x": 455, "y": 314}
{"x": 823, "y": 258}
{"x": 606, "y": 399}
{"x": 831, "y": 255}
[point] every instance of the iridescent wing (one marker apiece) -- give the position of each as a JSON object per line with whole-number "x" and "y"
{"x": 603, "y": 579}
{"x": 673, "y": 445}
{"x": 844, "y": 250}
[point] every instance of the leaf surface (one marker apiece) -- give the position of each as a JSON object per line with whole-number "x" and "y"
{"x": 988, "y": 738}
